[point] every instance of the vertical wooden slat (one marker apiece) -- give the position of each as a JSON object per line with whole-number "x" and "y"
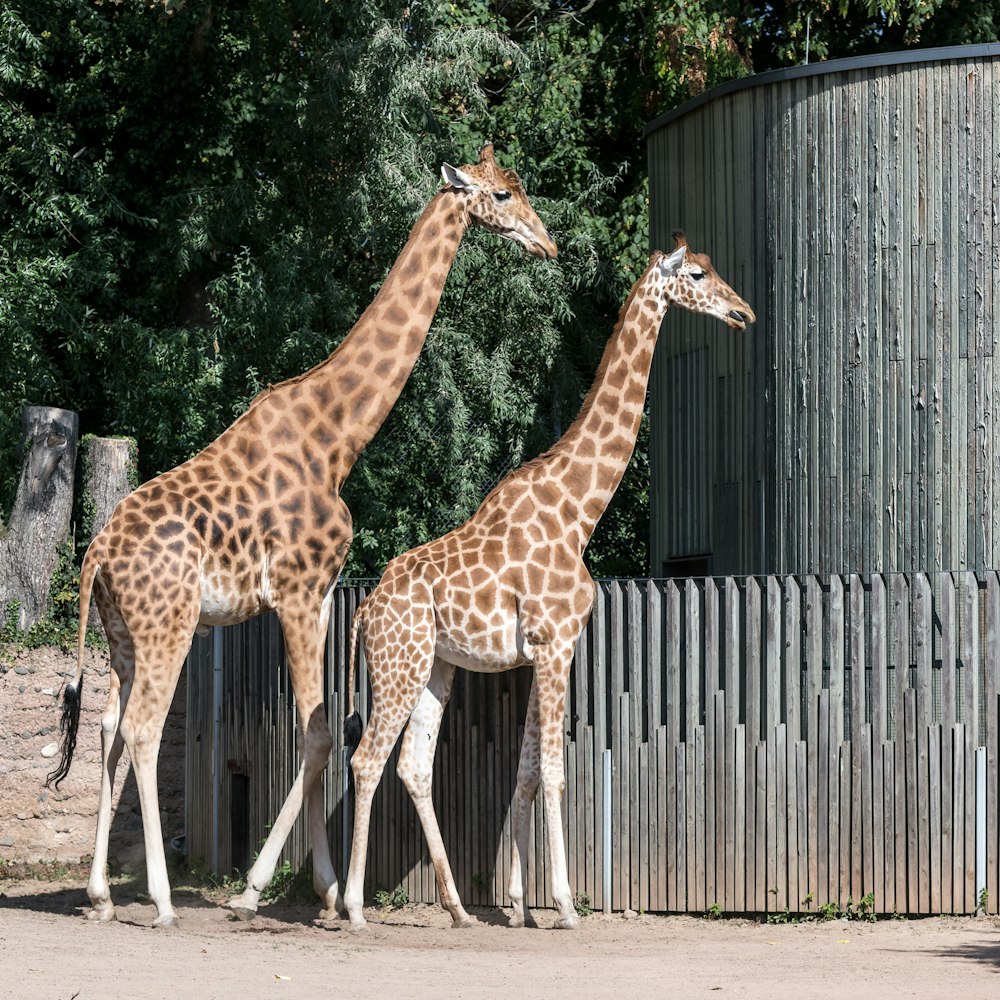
{"x": 681, "y": 898}
{"x": 820, "y": 819}
{"x": 923, "y": 651}
{"x": 813, "y": 684}
{"x": 760, "y": 886}
{"x": 773, "y": 853}
{"x": 793, "y": 717}
{"x": 900, "y": 653}
{"x": 914, "y": 875}
{"x": 859, "y": 788}
{"x": 723, "y": 806}
{"x": 991, "y": 688}
{"x": 752, "y": 681}
{"x": 957, "y": 736}
{"x": 698, "y": 811}
{"x": 891, "y": 904}
{"x": 970, "y": 717}
{"x": 714, "y": 890}
{"x": 738, "y": 850}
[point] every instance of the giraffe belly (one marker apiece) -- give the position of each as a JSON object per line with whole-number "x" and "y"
{"x": 225, "y": 605}
{"x": 492, "y": 653}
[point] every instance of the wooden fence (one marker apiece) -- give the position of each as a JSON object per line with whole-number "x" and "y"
{"x": 758, "y": 743}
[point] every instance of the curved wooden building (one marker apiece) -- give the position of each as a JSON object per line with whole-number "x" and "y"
{"x": 856, "y": 427}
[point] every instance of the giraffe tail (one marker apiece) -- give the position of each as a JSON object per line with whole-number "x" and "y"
{"x": 70, "y": 719}
{"x": 352, "y": 718}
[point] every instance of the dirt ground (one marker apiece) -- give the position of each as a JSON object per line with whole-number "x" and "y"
{"x": 49, "y": 952}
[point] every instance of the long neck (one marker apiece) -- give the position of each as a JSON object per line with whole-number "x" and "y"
{"x": 592, "y": 456}
{"x": 357, "y": 385}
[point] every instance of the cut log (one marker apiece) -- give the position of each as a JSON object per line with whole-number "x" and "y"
{"x": 42, "y": 514}
{"x": 109, "y": 473}
{"x": 108, "y": 477}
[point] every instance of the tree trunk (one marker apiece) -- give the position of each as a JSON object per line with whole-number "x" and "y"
{"x": 108, "y": 477}
{"x": 42, "y": 514}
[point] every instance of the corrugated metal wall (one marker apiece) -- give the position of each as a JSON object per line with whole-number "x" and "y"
{"x": 855, "y": 427}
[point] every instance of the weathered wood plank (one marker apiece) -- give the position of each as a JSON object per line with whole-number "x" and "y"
{"x": 714, "y": 821}
{"x": 821, "y": 817}
{"x": 912, "y": 805}
{"x": 991, "y": 691}
{"x": 813, "y": 684}
{"x": 738, "y": 851}
{"x": 900, "y": 658}
{"x": 970, "y": 717}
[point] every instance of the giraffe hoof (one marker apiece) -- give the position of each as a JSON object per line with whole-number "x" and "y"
{"x": 102, "y": 915}
{"x": 359, "y": 926}
{"x": 516, "y": 920}
{"x": 243, "y": 913}
{"x": 167, "y": 920}
{"x": 566, "y": 923}
{"x": 463, "y": 921}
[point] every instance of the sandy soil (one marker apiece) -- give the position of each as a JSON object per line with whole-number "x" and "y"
{"x": 50, "y": 953}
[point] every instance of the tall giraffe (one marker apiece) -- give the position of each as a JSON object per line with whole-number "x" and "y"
{"x": 256, "y": 522}
{"x": 508, "y": 588}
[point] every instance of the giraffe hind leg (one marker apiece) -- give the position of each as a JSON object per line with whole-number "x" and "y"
{"x": 122, "y": 669}
{"x": 416, "y": 768}
{"x": 159, "y": 658}
{"x": 399, "y": 672}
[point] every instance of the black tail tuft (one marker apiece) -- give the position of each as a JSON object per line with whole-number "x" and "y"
{"x": 68, "y": 725}
{"x": 352, "y": 732}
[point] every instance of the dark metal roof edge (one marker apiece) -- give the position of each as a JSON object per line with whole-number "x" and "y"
{"x": 879, "y": 60}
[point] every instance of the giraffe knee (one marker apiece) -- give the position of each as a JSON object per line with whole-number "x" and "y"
{"x": 416, "y": 779}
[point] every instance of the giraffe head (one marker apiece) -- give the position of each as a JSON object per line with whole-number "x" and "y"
{"x": 692, "y": 283}
{"x": 498, "y": 202}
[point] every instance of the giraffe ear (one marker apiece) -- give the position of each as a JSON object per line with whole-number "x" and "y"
{"x": 458, "y": 178}
{"x": 672, "y": 264}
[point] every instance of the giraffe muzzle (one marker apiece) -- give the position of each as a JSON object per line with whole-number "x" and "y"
{"x": 740, "y": 319}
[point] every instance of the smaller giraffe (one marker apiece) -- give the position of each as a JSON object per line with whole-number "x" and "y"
{"x": 508, "y": 588}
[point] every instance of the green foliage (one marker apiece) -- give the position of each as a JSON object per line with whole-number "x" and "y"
{"x": 60, "y": 624}
{"x": 200, "y": 198}
{"x": 864, "y": 909}
{"x": 393, "y": 900}
{"x": 715, "y": 911}
{"x": 583, "y": 904}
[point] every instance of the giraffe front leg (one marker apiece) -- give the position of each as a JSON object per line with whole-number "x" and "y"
{"x": 551, "y": 676}
{"x": 304, "y": 626}
{"x": 416, "y": 769}
{"x": 318, "y": 744}
{"x": 524, "y": 796}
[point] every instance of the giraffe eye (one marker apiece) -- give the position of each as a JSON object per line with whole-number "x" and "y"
{"x": 501, "y": 196}
{"x": 697, "y": 275}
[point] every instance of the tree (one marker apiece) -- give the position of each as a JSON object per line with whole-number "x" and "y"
{"x": 40, "y": 521}
{"x": 199, "y": 199}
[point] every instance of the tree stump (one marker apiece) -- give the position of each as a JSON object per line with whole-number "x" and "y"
{"x": 42, "y": 514}
{"x": 108, "y": 477}
{"x": 109, "y": 474}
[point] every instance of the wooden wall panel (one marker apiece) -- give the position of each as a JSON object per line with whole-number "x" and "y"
{"x": 853, "y": 428}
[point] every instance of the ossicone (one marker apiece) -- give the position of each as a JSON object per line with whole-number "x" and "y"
{"x": 486, "y": 152}
{"x": 680, "y": 240}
